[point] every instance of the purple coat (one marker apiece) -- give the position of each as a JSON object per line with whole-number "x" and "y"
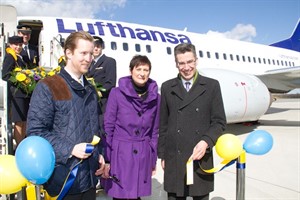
{"x": 132, "y": 126}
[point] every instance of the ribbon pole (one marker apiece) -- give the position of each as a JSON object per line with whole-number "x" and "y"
{"x": 240, "y": 176}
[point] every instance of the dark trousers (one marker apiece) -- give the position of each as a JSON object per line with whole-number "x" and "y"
{"x": 88, "y": 195}
{"x": 172, "y": 196}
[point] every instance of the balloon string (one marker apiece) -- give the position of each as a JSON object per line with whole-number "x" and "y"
{"x": 219, "y": 167}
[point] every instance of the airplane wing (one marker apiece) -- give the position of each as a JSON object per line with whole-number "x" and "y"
{"x": 281, "y": 80}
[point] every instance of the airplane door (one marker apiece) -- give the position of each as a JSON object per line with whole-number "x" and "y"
{"x": 8, "y": 23}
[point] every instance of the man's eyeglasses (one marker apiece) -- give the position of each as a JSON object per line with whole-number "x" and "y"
{"x": 189, "y": 63}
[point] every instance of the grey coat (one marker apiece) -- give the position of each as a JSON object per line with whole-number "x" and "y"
{"x": 185, "y": 119}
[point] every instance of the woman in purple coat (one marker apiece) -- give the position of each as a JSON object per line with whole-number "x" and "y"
{"x": 131, "y": 122}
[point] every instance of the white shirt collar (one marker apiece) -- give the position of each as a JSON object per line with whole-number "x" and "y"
{"x": 80, "y": 79}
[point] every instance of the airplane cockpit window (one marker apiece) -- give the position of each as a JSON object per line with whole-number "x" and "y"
{"x": 125, "y": 46}
{"x": 113, "y": 45}
{"x": 148, "y": 48}
{"x": 138, "y": 47}
{"x": 169, "y": 50}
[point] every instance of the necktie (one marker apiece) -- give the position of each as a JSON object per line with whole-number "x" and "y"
{"x": 187, "y": 86}
{"x": 26, "y": 50}
{"x": 92, "y": 66}
{"x": 80, "y": 81}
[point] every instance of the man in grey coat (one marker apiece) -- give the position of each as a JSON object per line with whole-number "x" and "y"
{"x": 192, "y": 118}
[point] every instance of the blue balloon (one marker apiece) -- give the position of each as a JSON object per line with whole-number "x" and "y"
{"x": 35, "y": 159}
{"x": 258, "y": 142}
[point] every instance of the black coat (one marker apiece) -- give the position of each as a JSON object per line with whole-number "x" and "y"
{"x": 104, "y": 72}
{"x": 33, "y": 61}
{"x": 185, "y": 119}
{"x": 9, "y": 64}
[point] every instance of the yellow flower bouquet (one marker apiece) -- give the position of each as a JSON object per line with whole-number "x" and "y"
{"x": 99, "y": 88}
{"x": 26, "y": 79}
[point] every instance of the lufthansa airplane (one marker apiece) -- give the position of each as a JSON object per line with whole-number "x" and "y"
{"x": 247, "y": 72}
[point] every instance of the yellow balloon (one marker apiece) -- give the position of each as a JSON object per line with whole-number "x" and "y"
{"x": 11, "y": 179}
{"x": 229, "y": 146}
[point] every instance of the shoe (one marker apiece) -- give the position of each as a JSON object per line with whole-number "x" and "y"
{"x": 99, "y": 186}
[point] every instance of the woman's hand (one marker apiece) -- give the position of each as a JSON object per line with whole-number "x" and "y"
{"x": 102, "y": 164}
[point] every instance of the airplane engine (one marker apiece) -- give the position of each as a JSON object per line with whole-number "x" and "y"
{"x": 245, "y": 97}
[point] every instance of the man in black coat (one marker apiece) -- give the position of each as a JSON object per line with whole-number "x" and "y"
{"x": 192, "y": 118}
{"x": 29, "y": 52}
{"x": 103, "y": 70}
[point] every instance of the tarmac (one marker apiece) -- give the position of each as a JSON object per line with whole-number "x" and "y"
{"x": 272, "y": 176}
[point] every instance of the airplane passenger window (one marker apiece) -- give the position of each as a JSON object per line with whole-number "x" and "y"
{"x": 273, "y": 62}
{"x": 277, "y": 62}
{"x": 231, "y": 57}
{"x": 269, "y": 61}
{"x": 224, "y": 56}
{"x": 148, "y": 48}
{"x": 286, "y": 64}
{"x": 282, "y": 63}
{"x": 125, "y": 46}
{"x": 237, "y": 57}
{"x": 201, "y": 54}
{"x": 254, "y": 60}
{"x": 137, "y": 47}
{"x": 208, "y": 54}
{"x": 217, "y": 55}
{"x": 169, "y": 50}
{"x": 264, "y": 60}
{"x": 113, "y": 45}
{"x": 244, "y": 59}
{"x": 259, "y": 60}
{"x": 249, "y": 59}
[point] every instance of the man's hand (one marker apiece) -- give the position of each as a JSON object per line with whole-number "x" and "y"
{"x": 199, "y": 150}
{"x": 163, "y": 164}
{"x": 79, "y": 151}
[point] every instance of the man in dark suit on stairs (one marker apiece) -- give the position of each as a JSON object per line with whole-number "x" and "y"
{"x": 29, "y": 52}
